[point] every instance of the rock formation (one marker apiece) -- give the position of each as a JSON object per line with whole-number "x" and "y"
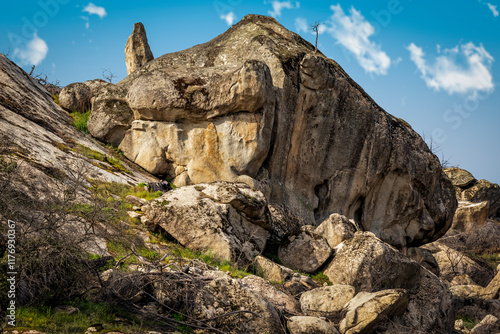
{"x": 137, "y": 51}
{"x": 256, "y": 105}
{"x": 468, "y": 189}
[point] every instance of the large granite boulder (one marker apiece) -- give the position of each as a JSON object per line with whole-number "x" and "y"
{"x": 137, "y": 51}
{"x": 257, "y": 105}
{"x": 326, "y": 301}
{"x": 223, "y": 218}
{"x": 470, "y": 215}
{"x": 309, "y": 325}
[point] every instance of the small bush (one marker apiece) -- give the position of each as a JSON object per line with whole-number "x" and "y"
{"x": 81, "y": 120}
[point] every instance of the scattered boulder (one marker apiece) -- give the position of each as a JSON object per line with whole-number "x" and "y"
{"x": 280, "y": 300}
{"x": 305, "y": 251}
{"x": 336, "y": 229}
{"x": 134, "y": 200}
{"x": 137, "y": 51}
{"x": 75, "y": 97}
{"x": 467, "y": 291}
{"x": 454, "y": 263}
{"x": 459, "y": 177}
{"x": 369, "y": 264}
{"x": 272, "y": 271}
{"x": 225, "y": 218}
{"x": 309, "y": 325}
{"x": 366, "y": 310}
{"x": 225, "y": 295}
{"x": 470, "y": 215}
{"x": 327, "y": 301}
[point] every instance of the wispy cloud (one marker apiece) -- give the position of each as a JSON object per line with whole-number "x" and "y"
{"x": 353, "y": 33}
{"x": 229, "y": 18}
{"x": 33, "y": 53}
{"x": 278, "y": 6}
{"x": 96, "y": 10}
{"x": 463, "y": 69}
{"x": 493, "y": 9}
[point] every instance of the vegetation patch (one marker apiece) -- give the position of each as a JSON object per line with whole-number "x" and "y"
{"x": 80, "y": 120}
{"x": 85, "y": 313}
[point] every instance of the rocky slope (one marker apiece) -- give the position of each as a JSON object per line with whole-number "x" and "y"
{"x": 256, "y": 105}
{"x": 284, "y": 166}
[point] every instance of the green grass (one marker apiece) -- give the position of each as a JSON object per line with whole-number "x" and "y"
{"x": 49, "y": 320}
{"x": 55, "y": 97}
{"x": 320, "y": 278}
{"x": 116, "y": 164}
{"x": 468, "y": 321}
{"x": 80, "y": 120}
{"x": 493, "y": 259}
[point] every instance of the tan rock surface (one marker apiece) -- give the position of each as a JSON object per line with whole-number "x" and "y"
{"x": 137, "y": 51}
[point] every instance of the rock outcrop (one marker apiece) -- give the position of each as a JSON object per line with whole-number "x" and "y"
{"x": 327, "y": 301}
{"x": 137, "y": 51}
{"x": 470, "y": 215}
{"x": 256, "y": 105}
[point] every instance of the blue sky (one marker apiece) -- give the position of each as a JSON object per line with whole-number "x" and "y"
{"x": 434, "y": 64}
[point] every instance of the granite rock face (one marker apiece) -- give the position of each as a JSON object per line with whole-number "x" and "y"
{"x": 137, "y": 51}
{"x": 255, "y": 105}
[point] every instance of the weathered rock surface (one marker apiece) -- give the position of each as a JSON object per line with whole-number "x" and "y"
{"x": 366, "y": 310}
{"x": 470, "y": 215}
{"x": 490, "y": 324}
{"x": 255, "y": 101}
{"x": 75, "y": 97}
{"x": 460, "y": 177}
{"x": 227, "y": 219}
{"x": 492, "y": 290}
{"x": 305, "y": 251}
{"x": 425, "y": 258}
{"x": 226, "y": 295}
{"x": 467, "y": 291}
{"x": 280, "y": 300}
{"x": 111, "y": 116}
{"x": 42, "y": 135}
{"x": 137, "y": 51}
{"x": 369, "y": 264}
{"x": 310, "y": 325}
{"x": 336, "y": 229}
{"x": 327, "y": 301}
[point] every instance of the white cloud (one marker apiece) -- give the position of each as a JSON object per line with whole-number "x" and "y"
{"x": 493, "y": 9}
{"x": 87, "y": 23}
{"x": 353, "y": 33}
{"x": 301, "y": 25}
{"x": 33, "y": 52}
{"x": 463, "y": 69}
{"x": 93, "y": 9}
{"x": 229, "y": 18}
{"x": 278, "y": 6}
